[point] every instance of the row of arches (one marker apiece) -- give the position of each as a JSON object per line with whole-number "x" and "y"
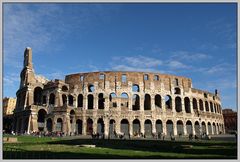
{"x": 136, "y": 127}
{"x": 113, "y": 102}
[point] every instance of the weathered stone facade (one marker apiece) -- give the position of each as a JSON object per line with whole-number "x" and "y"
{"x": 125, "y": 102}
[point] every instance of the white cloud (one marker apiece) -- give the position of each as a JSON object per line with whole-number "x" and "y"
{"x": 222, "y": 68}
{"x": 177, "y": 65}
{"x": 190, "y": 56}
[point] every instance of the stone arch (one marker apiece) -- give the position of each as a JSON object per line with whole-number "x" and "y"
{"x": 44, "y": 99}
{"x": 159, "y": 128}
{"x": 64, "y": 88}
{"x": 206, "y": 106}
{"x": 204, "y": 128}
{"x": 147, "y": 102}
{"x": 79, "y": 127}
{"x": 180, "y": 127}
{"x": 64, "y": 99}
{"x": 136, "y": 127}
{"x": 178, "y": 104}
{"x": 211, "y": 106}
{"x": 49, "y": 125}
{"x": 148, "y": 128}
{"x": 158, "y": 101}
{"x": 124, "y": 127}
{"x": 168, "y": 102}
{"x": 189, "y": 127}
{"x": 37, "y": 96}
{"x": 135, "y": 102}
{"x": 135, "y": 88}
{"x": 80, "y": 100}
{"x": 101, "y": 101}
{"x": 52, "y": 99}
{"x": 91, "y": 88}
{"x": 209, "y": 128}
{"x": 124, "y": 101}
{"x": 90, "y": 101}
{"x": 100, "y": 126}
{"x": 215, "y": 111}
{"x": 187, "y": 105}
{"x": 59, "y": 125}
{"x": 177, "y": 90}
{"x": 112, "y": 100}
{"x": 197, "y": 128}
{"x": 41, "y": 119}
{"x": 214, "y": 128}
{"x": 169, "y": 127}
{"x": 89, "y": 126}
{"x": 195, "y": 106}
{"x": 70, "y": 100}
{"x": 112, "y": 131}
{"x": 201, "y": 105}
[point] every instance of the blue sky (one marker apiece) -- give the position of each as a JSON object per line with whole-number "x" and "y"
{"x": 192, "y": 40}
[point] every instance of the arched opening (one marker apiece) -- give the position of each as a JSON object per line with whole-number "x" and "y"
{"x": 147, "y": 102}
{"x": 90, "y": 101}
{"x": 79, "y": 126}
{"x": 187, "y": 105}
{"x": 189, "y": 127}
{"x": 177, "y": 91}
{"x": 136, "y": 127}
{"x": 206, "y": 106}
{"x": 178, "y": 104}
{"x": 168, "y": 102}
{"x": 49, "y": 125}
{"x": 211, "y": 106}
{"x": 214, "y": 129}
{"x": 64, "y": 99}
{"x": 180, "y": 128}
{"x": 124, "y": 101}
{"x": 101, "y": 101}
{"x": 148, "y": 128}
{"x": 37, "y": 96}
{"x": 201, "y": 105}
{"x": 80, "y": 100}
{"x": 44, "y": 100}
{"x": 195, "y": 107}
{"x": 41, "y": 119}
{"x": 112, "y": 100}
{"x": 100, "y": 126}
{"x": 112, "y": 128}
{"x": 70, "y": 100}
{"x": 135, "y": 88}
{"x": 124, "y": 127}
{"x": 89, "y": 126}
{"x": 159, "y": 126}
{"x": 158, "y": 101}
{"x": 197, "y": 128}
{"x": 145, "y": 77}
{"x": 64, "y": 88}
{"x": 204, "y": 129}
{"x": 215, "y": 108}
{"x": 169, "y": 128}
{"x": 91, "y": 88}
{"x": 52, "y": 99}
{"x": 72, "y": 121}
{"x": 59, "y": 125}
{"x": 209, "y": 128}
{"x": 135, "y": 102}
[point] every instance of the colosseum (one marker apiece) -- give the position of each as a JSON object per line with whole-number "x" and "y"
{"x": 114, "y": 102}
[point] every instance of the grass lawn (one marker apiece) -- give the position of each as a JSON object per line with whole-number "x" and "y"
{"x": 30, "y": 147}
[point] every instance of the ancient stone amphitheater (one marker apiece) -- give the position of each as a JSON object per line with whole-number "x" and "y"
{"x": 115, "y": 102}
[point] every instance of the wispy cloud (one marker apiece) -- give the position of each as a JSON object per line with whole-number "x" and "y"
{"x": 191, "y": 56}
{"x": 222, "y": 68}
{"x": 177, "y": 65}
